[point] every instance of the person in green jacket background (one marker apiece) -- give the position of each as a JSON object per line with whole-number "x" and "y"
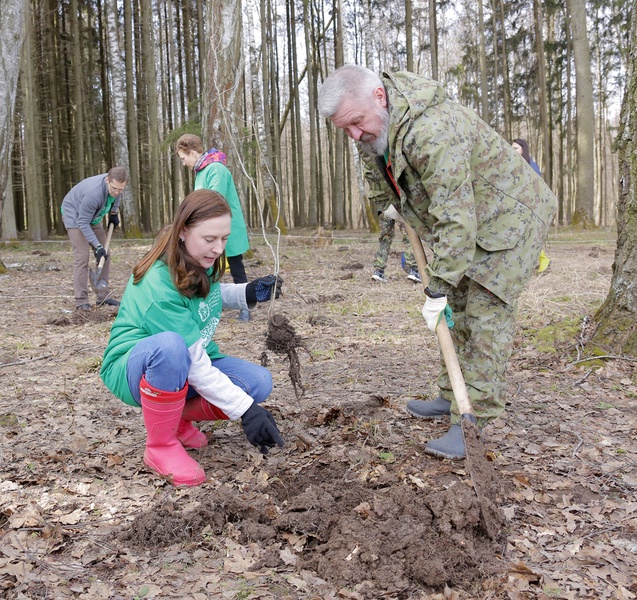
{"x": 472, "y": 198}
{"x": 211, "y": 173}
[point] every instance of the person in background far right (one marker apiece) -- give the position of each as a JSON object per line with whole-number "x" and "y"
{"x": 522, "y": 148}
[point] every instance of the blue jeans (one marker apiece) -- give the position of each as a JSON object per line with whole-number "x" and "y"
{"x": 164, "y": 360}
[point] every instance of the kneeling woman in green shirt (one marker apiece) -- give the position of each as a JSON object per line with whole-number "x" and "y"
{"x": 161, "y": 355}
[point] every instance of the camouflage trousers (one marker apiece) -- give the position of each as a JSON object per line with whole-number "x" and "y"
{"x": 483, "y": 338}
{"x": 386, "y": 238}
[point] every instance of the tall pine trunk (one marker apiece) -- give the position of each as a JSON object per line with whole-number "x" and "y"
{"x": 542, "y": 91}
{"x": 585, "y": 123}
{"x": 338, "y": 188}
{"x": 33, "y": 169}
{"x": 12, "y": 25}
{"x": 155, "y": 197}
{"x": 128, "y": 207}
{"x": 78, "y": 97}
{"x": 118, "y": 116}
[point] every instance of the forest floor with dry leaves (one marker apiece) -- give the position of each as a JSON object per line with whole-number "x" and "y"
{"x": 351, "y": 507}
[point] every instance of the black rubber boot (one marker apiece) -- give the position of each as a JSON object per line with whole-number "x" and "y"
{"x": 450, "y": 445}
{"x": 434, "y": 409}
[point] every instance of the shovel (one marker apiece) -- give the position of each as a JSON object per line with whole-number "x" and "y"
{"x": 483, "y": 477}
{"x": 94, "y": 276}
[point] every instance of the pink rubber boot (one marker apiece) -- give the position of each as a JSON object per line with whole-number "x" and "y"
{"x": 164, "y": 454}
{"x": 197, "y": 409}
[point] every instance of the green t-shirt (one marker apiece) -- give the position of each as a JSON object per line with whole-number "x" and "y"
{"x": 107, "y": 207}
{"x": 153, "y": 306}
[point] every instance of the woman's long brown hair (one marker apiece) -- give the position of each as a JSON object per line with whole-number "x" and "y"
{"x": 190, "y": 278}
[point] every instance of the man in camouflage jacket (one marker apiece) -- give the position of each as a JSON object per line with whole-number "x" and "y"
{"x": 473, "y": 199}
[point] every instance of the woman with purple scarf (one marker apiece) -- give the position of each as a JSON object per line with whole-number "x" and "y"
{"x": 211, "y": 173}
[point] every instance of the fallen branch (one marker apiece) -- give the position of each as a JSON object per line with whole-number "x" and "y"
{"x": 603, "y": 357}
{"x": 26, "y": 360}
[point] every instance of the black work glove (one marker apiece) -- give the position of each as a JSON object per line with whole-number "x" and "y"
{"x": 100, "y": 253}
{"x": 260, "y": 428}
{"x": 113, "y": 219}
{"x": 260, "y": 290}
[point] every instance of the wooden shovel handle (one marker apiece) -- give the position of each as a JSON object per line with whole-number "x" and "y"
{"x": 109, "y": 235}
{"x": 442, "y": 331}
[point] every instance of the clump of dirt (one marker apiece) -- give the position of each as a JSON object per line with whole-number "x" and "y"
{"x": 60, "y": 321}
{"x": 79, "y": 317}
{"x": 485, "y": 480}
{"x": 379, "y": 537}
{"x": 166, "y": 524}
{"x": 97, "y": 314}
{"x": 389, "y": 538}
{"x": 283, "y": 339}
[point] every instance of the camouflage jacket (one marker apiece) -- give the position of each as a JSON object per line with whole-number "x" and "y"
{"x": 475, "y": 201}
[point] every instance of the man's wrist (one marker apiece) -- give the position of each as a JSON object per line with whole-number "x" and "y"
{"x": 431, "y": 294}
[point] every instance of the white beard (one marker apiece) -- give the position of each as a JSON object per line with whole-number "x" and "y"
{"x": 377, "y": 145}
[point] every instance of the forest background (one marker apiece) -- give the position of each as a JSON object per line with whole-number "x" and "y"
{"x": 104, "y": 82}
{"x": 115, "y": 82}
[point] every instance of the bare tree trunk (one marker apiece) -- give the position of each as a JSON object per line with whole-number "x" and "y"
{"x": 156, "y": 198}
{"x": 433, "y": 38}
{"x": 201, "y": 40}
{"x": 298, "y": 171}
{"x": 53, "y": 62}
{"x": 191, "y": 90}
{"x": 568, "y": 201}
{"x": 224, "y": 68}
{"x": 506, "y": 87}
{"x": 270, "y": 162}
{"x": 12, "y": 25}
{"x": 617, "y": 317}
{"x": 338, "y": 188}
{"x": 174, "y": 113}
{"x": 585, "y": 193}
{"x": 107, "y": 101}
{"x": 128, "y": 207}
{"x": 9, "y": 230}
{"x": 312, "y": 199}
{"x": 78, "y": 104}
{"x": 34, "y": 188}
{"x": 495, "y": 123}
{"x": 547, "y": 167}
{"x": 484, "y": 84}
{"x": 118, "y": 117}
{"x": 409, "y": 33}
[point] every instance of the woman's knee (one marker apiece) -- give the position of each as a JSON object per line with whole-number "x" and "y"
{"x": 170, "y": 344}
{"x": 163, "y": 357}
{"x": 263, "y": 384}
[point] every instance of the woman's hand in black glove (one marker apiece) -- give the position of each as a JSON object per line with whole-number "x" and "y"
{"x": 260, "y": 290}
{"x": 260, "y": 428}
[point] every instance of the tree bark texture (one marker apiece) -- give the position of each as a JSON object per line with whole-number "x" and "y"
{"x": 617, "y": 317}
{"x": 12, "y": 26}
{"x": 585, "y": 120}
{"x": 118, "y": 116}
